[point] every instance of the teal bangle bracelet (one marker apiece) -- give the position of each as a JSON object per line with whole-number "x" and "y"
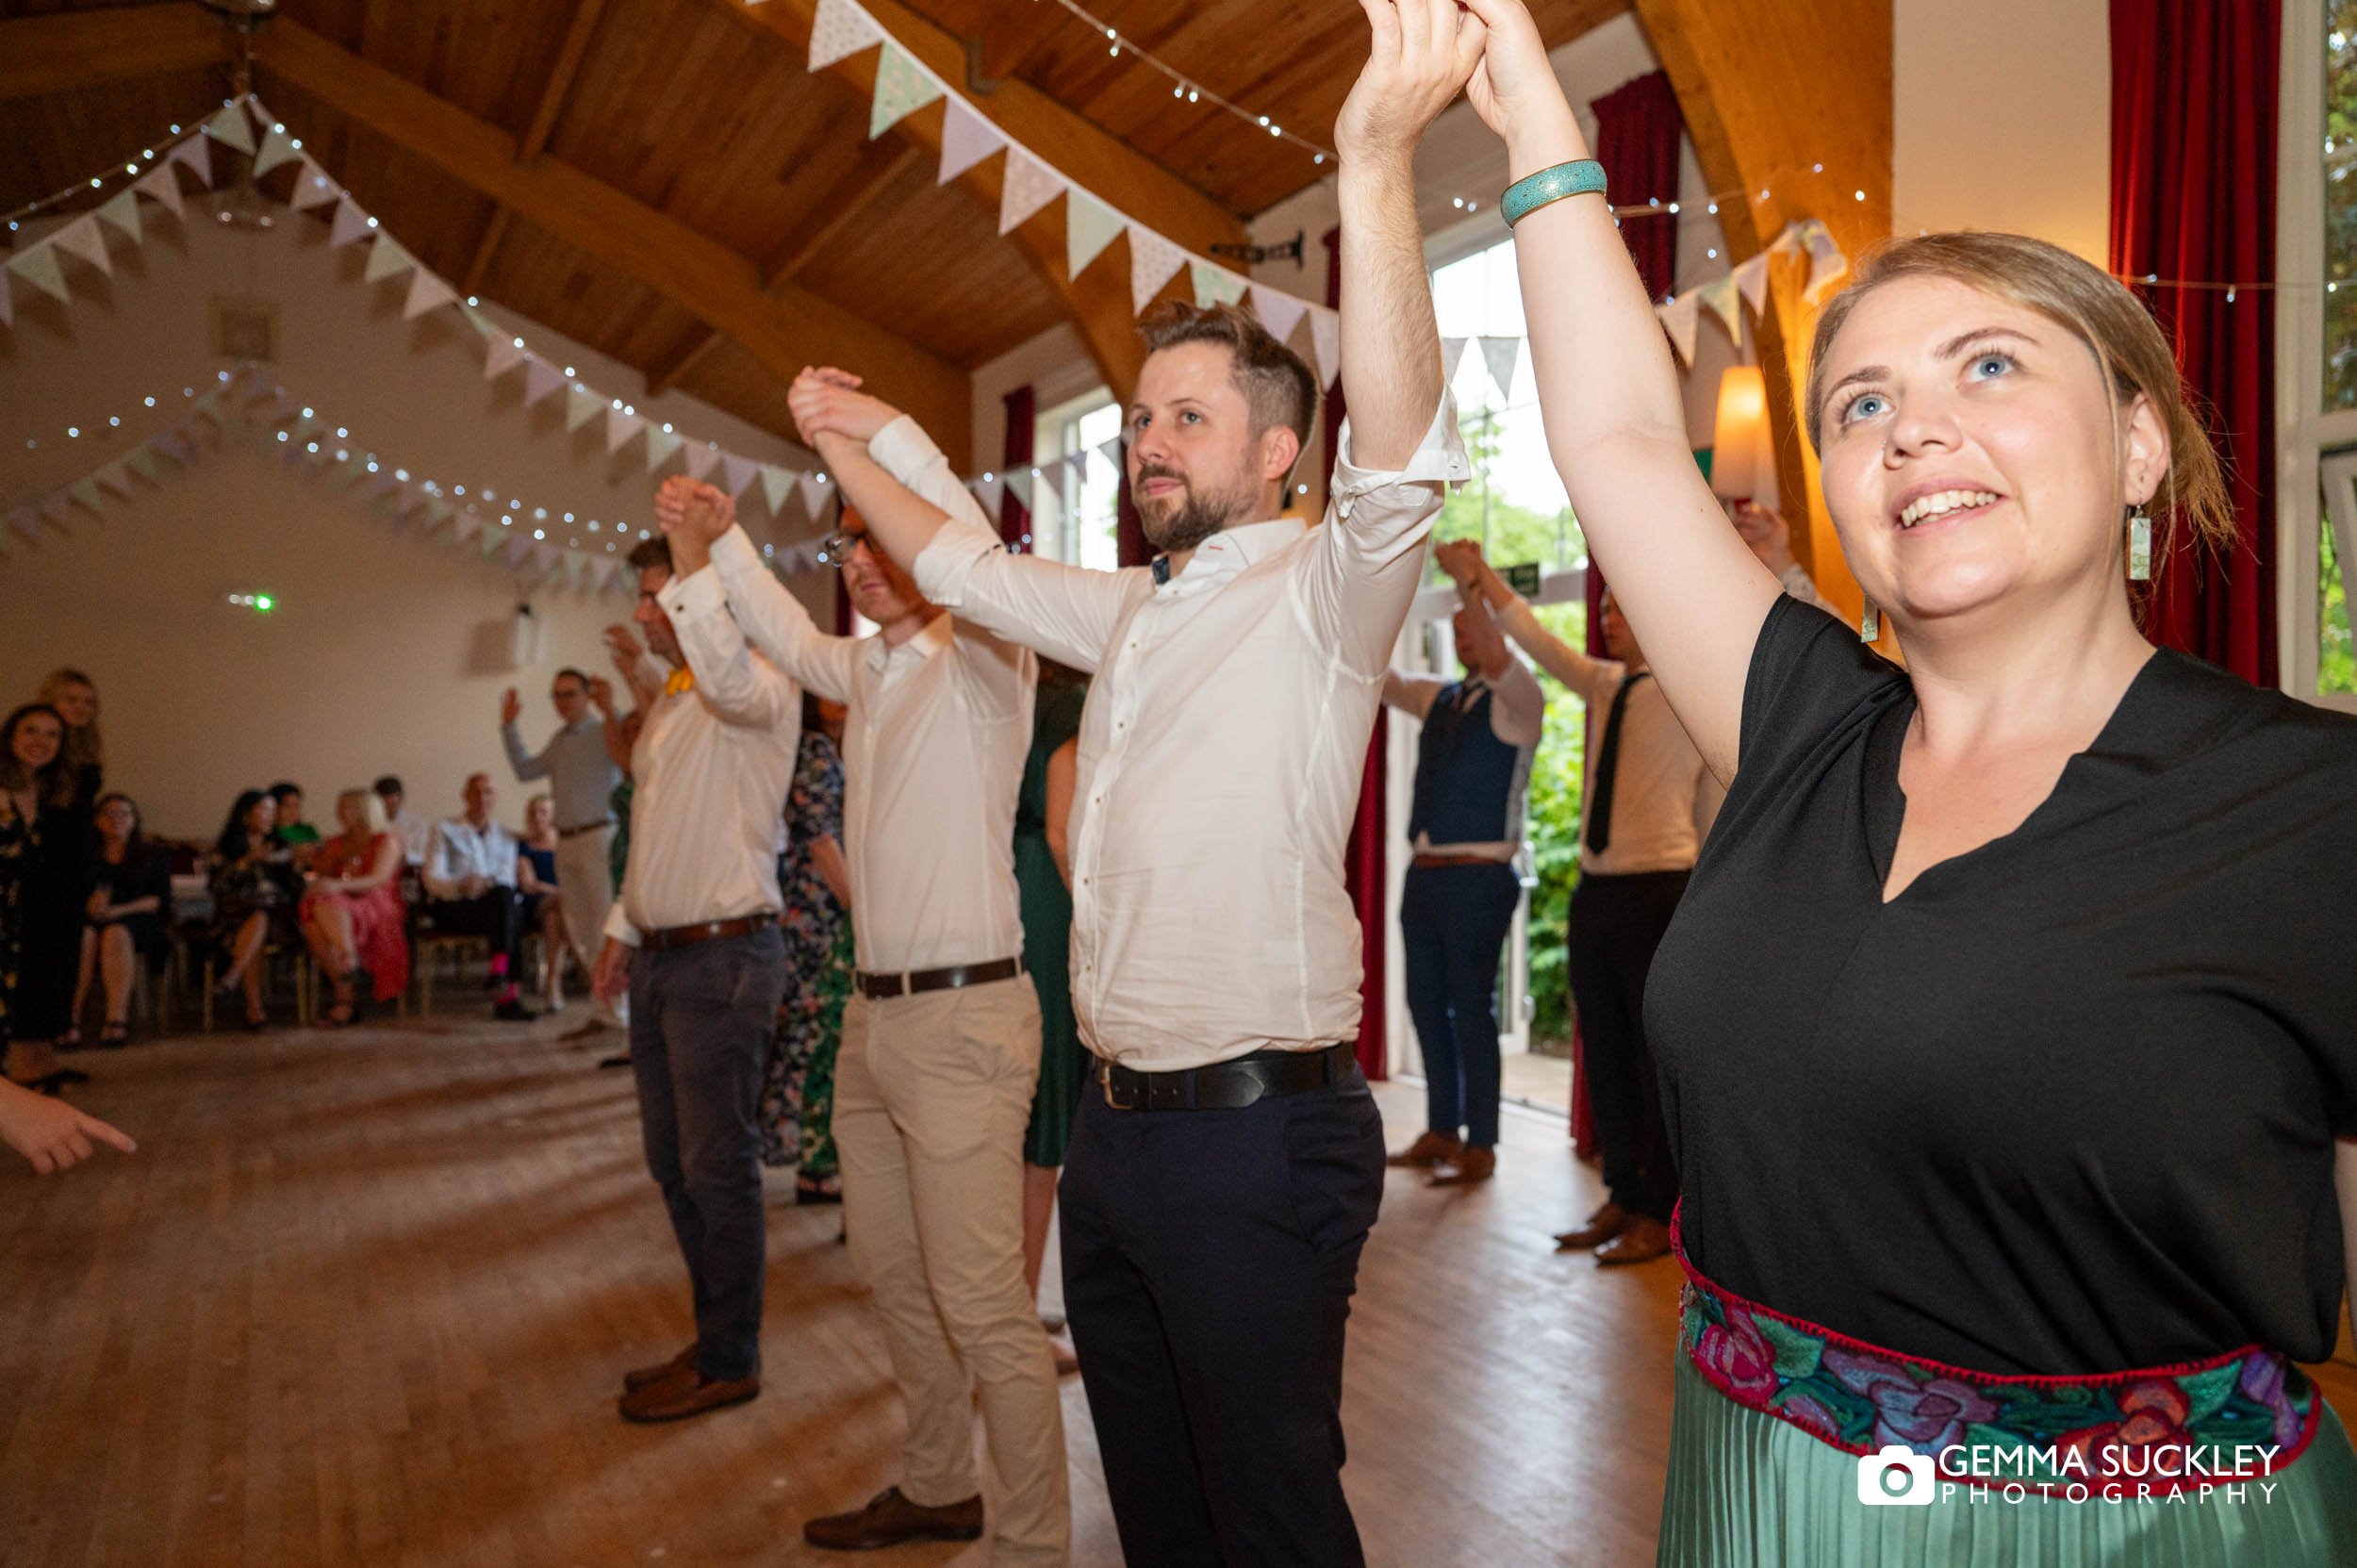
{"x": 1532, "y": 191}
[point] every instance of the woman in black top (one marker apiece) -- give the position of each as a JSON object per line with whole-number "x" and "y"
{"x": 45, "y": 864}
{"x": 124, "y": 922}
{"x": 2004, "y": 1031}
{"x": 256, "y": 889}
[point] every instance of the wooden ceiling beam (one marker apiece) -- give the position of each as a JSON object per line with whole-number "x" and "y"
{"x": 845, "y": 203}
{"x": 784, "y": 329}
{"x": 553, "y": 92}
{"x": 87, "y": 48}
{"x": 1098, "y": 301}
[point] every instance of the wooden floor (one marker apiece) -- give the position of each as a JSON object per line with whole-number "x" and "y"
{"x": 365, "y": 1298}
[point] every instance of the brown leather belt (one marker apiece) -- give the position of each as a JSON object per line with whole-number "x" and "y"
{"x": 1228, "y": 1085}
{"x": 1428, "y": 863}
{"x": 585, "y": 827}
{"x": 671, "y": 938}
{"x": 910, "y": 983}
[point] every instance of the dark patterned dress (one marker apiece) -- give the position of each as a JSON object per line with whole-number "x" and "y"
{"x": 798, "y": 1091}
{"x": 44, "y": 883}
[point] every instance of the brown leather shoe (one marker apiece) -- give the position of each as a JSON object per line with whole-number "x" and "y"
{"x": 1642, "y": 1242}
{"x": 1606, "y": 1223}
{"x": 1473, "y": 1164}
{"x": 1430, "y": 1149}
{"x": 641, "y": 1376}
{"x": 890, "y": 1519}
{"x": 689, "y": 1393}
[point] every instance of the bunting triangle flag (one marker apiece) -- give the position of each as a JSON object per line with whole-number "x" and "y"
{"x": 814, "y": 490}
{"x": 57, "y": 508}
{"x": 1279, "y": 311}
{"x": 160, "y": 184}
{"x": 142, "y": 462}
{"x": 38, "y": 267}
{"x": 81, "y": 238}
{"x": 1110, "y": 453}
{"x": 966, "y": 139}
{"x": 1018, "y": 482}
{"x": 1721, "y": 298}
{"x": 540, "y": 377}
{"x": 660, "y": 445}
{"x": 232, "y": 128}
{"x": 1452, "y": 354}
{"x": 195, "y": 155}
{"x": 439, "y": 511}
{"x": 519, "y": 546}
{"x": 1752, "y": 278}
{"x": 839, "y": 30}
{"x": 776, "y": 484}
{"x": 903, "y": 88}
{"x": 736, "y": 473}
{"x": 277, "y": 148}
{"x": 501, "y": 356}
{"x": 702, "y": 459}
{"x": 350, "y": 223}
{"x": 1030, "y": 185}
{"x": 1501, "y": 355}
{"x": 386, "y": 259}
{"x": 620, "y": 428}
{"x": 1789, "y": 241}
{"x": 1214, "y": 284}
{"x": 1827, "y": 266}
{"x": 544, "y": 557}
{"x": 1153, "y": 261}
{"x": 601, "y": 574}
{"x": 1325, "y": 342}
{"x": 23, "y": 522}
{"x": 312, "y": 188}
{"x": 490, "y": 541}
{"x": 426, "y": 292}
{"x": 466, "y": 526}
{"x": 122, "y": 210}
{"x": 85, "y": 490}
{"x": 987, "y": 489}
{"x": 114, "y": 477}
{"x": 580, "y": 406}
{"x": 1089, "y": 226}
{"x": 1078, "y": 464}
{"x": 1681, "y": 319}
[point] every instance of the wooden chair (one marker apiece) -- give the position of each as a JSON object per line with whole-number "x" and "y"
{"x": 428, "y": 948}
{"x": 270, "y": 951}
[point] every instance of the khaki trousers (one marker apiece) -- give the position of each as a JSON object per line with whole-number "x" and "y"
{"x": 584, "y": 888}
{"x": 932, "y": 1095}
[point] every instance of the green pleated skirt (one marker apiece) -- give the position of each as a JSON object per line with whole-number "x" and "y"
{"x": 1746, "y": 1490}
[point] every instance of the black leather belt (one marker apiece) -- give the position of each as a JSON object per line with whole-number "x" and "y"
{"x": 908, "y": 984}
{"x": 1228, "y": 1085}
{"x": 585, "y": 827}
{"x": 709, "y": 930}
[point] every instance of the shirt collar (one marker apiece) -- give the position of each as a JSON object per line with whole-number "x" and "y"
{"x": 1227, "y": 553}
{"x": 932, "y": 639}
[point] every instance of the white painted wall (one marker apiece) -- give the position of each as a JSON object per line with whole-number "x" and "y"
{"x": 388, "y": 651}
{"x": 2003, "y": 118}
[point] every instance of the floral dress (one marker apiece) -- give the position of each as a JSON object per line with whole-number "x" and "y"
{"x": 798, "y": 1091}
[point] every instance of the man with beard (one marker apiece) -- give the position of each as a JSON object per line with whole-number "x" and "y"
{"x": 941, "y": 1040}
{"x": 1229, "y": 1163}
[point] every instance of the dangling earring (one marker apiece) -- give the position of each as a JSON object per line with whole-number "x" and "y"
{"x": 2139, "y": 545}
{"x": 1869, "y": 625}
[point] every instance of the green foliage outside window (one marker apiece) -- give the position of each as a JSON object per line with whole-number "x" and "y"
{"x": 2340, "y": 205}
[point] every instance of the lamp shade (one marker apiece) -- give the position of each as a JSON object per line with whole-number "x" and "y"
{"x": 1742, "y": 458}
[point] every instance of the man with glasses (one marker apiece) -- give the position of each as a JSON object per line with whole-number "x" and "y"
{"x": 582, "y": 777}
{"x": 941, "y": 1037}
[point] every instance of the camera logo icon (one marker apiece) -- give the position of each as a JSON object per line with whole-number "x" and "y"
{"x": 1897, "y": 1477}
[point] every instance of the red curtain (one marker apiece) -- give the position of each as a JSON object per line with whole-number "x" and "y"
{"x": 1130, "y": 545}
{"x": 1637, "y": 127}
{"x": 1014, "y": 518}
{"x": 2193, "y": 201}
{"x": 1362, "y": 853}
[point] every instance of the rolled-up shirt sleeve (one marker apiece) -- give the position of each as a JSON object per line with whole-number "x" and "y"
{"x": 1359, "y": 580}
{"x": 1067, "y": 613}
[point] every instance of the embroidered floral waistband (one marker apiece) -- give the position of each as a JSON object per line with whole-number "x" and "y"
{"x": 2233, "y": 1419}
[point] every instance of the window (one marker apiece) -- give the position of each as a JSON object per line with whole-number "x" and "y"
{"x": 2316, "y": 349}
{"x": 1081, "y": 524}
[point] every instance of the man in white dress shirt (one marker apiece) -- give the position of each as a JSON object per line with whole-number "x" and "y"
{"x": 1229, "y": 1163}
{"x": 941, "y": 1036}
{"x": 694, "y": 937}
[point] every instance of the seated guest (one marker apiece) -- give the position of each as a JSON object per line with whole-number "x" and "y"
{"x": 45, "y": 865}
{"x": 74, "y": 696}
{"x": 352, "y": 914}
{"x": 130, "y": 893}
{"x": 300, "y": 837}
{"x": 470, "y": 890}
{"x": 256, "y": 888}
{"x": 543, "y": 911}
{"x": 414, "y": 832}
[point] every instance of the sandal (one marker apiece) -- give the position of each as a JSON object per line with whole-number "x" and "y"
{"x": 116, "y": 1035}
{"x": 811, "y": 1190}
{"x": 72, "y": 1038}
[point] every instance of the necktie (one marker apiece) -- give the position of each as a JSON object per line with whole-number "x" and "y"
{"x": 682, "y": 679}
{"x": 1608, "y": 761}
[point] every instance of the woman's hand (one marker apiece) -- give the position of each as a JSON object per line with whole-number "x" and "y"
{"x": 1422, "y": 53}
{"x": 1515, "y": 87}
{"x": 51, "y": 1135}
{"x": 98, "y": 908}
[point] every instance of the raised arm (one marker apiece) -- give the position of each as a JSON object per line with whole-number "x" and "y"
{"x": 1593, "y": 678}
{"x": 700, "y": 521}
{"x": 1615, "y": 423}
{"x": 738, "y": 685}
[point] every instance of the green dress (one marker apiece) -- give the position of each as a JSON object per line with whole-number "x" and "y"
{"x": 1046, "y": 906}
